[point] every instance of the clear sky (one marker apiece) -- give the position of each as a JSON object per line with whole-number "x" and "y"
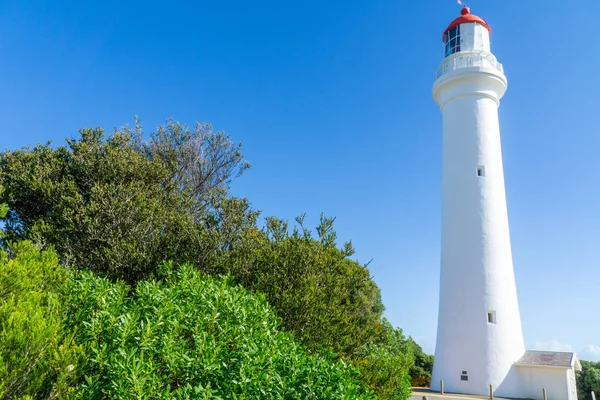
{"x": 332, "y": 100}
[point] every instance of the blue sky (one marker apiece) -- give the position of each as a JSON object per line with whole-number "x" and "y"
{"x": 332, "y": 101}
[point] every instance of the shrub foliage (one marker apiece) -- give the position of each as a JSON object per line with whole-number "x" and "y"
{"x": 185, "y": 336}
{"x": 420, "y": 371}
{"x": 118, "y": 206}
{"x": 327, "y": 300}
{"x": 588, "y": 380}
{"x": 384, "y": 364}
{"x": 37, "y": 357}
{"x": 189, "y": 336}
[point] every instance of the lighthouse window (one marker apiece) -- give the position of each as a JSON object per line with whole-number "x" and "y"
{"x": 491, "y": 317}
{"x": 481, "y": 170}
{"x": 453, "y": 41}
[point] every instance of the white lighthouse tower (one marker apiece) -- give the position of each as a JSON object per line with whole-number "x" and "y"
{"x": 479, "y": 335}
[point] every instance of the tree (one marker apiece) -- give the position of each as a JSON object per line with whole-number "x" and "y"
{"x": 384, "y": 364}
{"x": 200, "y": 162}
{"x": 420, "y": 371}
{"x": 119, "y": 205}
{"x": 324, "y": 298}
{"x": 588, "y": 380}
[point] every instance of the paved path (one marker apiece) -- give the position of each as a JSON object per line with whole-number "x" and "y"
{"x": 419, "y": 393}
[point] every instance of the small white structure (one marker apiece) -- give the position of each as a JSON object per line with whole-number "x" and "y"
{"x": 479, "y": 336}
{"x": 553, "y": 371}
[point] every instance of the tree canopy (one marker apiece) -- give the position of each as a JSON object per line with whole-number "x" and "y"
{"x": 588, "y": 380}
{"x": 117, "y": 204}
{"x": 120, "y": 205}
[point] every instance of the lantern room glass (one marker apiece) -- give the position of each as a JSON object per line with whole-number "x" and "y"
{"x": 453, "y": 41}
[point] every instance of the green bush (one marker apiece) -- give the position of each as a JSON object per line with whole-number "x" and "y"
{"x": 420, "y": 371}
{"x": 36, "y": 358}
{"x": 190, "y": 336}
{"x": 186, "y": 336}
{"x": 119, "y": 205}
{"x": 588, "y": 380}
{"x": 325, "y": 299}
{"x": 385, "y": 363}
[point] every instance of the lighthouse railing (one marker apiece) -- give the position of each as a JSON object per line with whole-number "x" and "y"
{"x": 467, "y": 60}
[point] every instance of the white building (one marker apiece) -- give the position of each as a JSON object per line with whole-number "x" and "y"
{"x": 553, "y": 371}
{"x": 479, "y": 338}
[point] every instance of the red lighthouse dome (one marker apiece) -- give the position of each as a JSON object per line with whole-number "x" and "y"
{"x": 466, "y": 18}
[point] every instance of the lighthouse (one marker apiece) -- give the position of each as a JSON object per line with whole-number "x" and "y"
{"x": 479, "y": 335}
{"x": 479, "y": 339}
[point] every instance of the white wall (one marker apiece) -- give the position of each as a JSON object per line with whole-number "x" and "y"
{"x": 534, "y": 379}
{"x": 572, "y": 383}
{"x": 474, "y": 37}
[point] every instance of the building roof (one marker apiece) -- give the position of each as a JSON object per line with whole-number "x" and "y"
{"x": 466, "y": 18}
{"x": 549, "y": 359}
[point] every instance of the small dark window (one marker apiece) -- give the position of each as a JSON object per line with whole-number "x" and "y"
{"x": 464, "y": 372}
{"x": 481, "y": 170}
{"x": 491, "y": 317}
{"x": 464, "y": 377}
